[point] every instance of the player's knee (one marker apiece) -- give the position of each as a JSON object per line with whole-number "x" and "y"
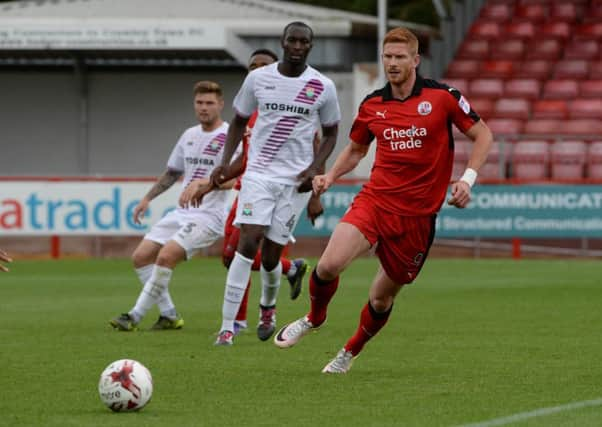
{"x": 381, "y": 305}
{"x": 167, "y": 259}
{"x": 328, "y": 270}
{"x": 140, "y": 259}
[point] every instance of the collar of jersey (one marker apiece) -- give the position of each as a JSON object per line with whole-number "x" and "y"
{"x": 416, "y": 90}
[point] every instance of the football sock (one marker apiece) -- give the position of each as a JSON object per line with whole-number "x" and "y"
{"x": 270, "y": 284}
{"x": 236, "y": 284}
{"x": 371, "y": 322}
{"x": 289, "y": 268}
{"x": 151, "y": 292}
{"x": 165, "y": 303}
{"x": 241, "y": 316}
{"x": 320, "y": 294}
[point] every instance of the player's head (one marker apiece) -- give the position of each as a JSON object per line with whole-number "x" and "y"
{"x": 400, "y": 55}
{"x": 208, "y": 103}
{"x": 296, "y": 42}
{"x": 260, "y": 58}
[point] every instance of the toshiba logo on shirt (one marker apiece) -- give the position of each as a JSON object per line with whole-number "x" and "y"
{"x": 404, "y": 139}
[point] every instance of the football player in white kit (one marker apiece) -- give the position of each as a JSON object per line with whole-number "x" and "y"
{"x": 289, "y": 96}
{"x": 182, "y": 232}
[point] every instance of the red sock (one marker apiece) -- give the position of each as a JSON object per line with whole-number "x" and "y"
{"x": 370, "y": 323}
{"x": 286, "y": 265}
{"x": 320, "y": 294}
{"x": 242, "y": 310}
{"x": 256, "y": 262}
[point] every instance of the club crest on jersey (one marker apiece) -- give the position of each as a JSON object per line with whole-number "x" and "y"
{"x": 425, "y": 108}
{"x": 309, "y": 92}
{"x": 214, "y": 145}
{"x": 247, "y": 209}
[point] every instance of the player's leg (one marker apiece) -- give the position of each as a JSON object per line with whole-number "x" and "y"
{"x": 237, "y": 279}
{"x": 271, "y": 271}
{"x": 231, "y": 237}
{"x": 345, "y": 244}
{"x": 144, "y": 257}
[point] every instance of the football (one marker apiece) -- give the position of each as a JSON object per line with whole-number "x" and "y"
{"x": 125, "y": 385}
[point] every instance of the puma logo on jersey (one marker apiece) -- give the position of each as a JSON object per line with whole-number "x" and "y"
{"x": 270, "y": 88}
{"x": 381, "y": 114}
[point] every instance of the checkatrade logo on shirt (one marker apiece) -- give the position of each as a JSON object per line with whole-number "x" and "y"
{"x": 404, "y": 139}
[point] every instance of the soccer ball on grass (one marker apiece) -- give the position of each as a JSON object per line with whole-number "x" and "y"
{"x": 125, "y": 385}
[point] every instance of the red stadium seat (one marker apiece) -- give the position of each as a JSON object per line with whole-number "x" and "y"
{"x": 595, "y": 70}
{"x": 568, "y": 160}
{"x": 559, "y": 30}
{"x": 594, "y": 160}
{"x": 571, "y": 69}
{"x": 512, "y": 108}
{"x": 482, "y": 106}
{"x": 585, "y": 108}
{"x": 542, "y": 127}
{"x": 560, "y": 89}
{"x": 565, "y": 11}
{"x": 532, "y": 12}
{"x": 550, "y": 49}
{"x": 586, "y": 127}
{"x": 582, "y": 49}
{"x": 537, "y": 69}
{"x": 460, "y": 84}
{"x": 508, "y": 49}
{"x": 589, "y": 31}
{"x": 486, "y": 88}
{"x": 593, "y": 14}
{"x": 522, "y": 30}
{"x": 473, "y": 49}
{"x": 550, "y": 109}
{"x": 522, "y": 88}
{"x": 506, "y": 126}
{"x": 484, "y": 30}
{"x": 499, "y": 12}
{"x": 495, "y": 166}
{"x": 497, "y": 69}
{"x": 463, "y": 69}
{"x": 590, "y": 88}
{"x": 530, "y": 160}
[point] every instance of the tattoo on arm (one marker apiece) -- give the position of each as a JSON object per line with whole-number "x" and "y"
{"x": 165, "y": 181}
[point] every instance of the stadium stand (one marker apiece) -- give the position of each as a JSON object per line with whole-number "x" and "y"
{"x": 533, "y": 70}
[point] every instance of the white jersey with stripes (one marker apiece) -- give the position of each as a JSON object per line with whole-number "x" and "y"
{"x": 281, "y": 143}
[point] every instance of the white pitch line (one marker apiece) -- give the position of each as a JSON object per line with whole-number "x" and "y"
{"x": 536, "y": 413}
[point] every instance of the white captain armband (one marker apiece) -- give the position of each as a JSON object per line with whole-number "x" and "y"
{"x": 469, "y": 177}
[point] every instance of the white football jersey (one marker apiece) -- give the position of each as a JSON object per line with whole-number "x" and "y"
{"x": 281, "y": 143}
{"x": 196, "y": 154}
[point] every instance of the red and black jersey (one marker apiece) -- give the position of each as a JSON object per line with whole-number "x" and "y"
{"x": 415, "y": 146}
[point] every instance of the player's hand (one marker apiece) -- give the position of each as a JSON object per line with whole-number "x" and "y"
{"x": 314, "y": 209}
{"x": 321, "y": 183}
{"x": 306, "y": 177}
{"x": 4, "y": 257}
{"x": 193, "y": 194}
{"x": 140, "y": 210}
{"x": 460, "y": 192}
{"x": 218, "y": 176}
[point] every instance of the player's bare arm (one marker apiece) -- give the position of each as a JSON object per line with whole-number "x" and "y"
{"x": 223, "y": 172}
{"x": 329, "y": 140}
{"x": 5, "y": 258}
{"x": 314, "y": 208}
{"x": 164, "y": 182}
{"x": 482, "y": 138}
{"x": 347, "y": 160}
{"x": 196, "y": 188}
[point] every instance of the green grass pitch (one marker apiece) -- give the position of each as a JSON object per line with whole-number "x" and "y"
{"x": 469, "y": 341}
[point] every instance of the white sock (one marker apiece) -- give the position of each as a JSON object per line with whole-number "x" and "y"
{"x": 151, "y": 292}
{"x": 270, "y": 284}
{"x": 165, "y": 303}
{"x": 236, "y": 285}
{"x": 292, "y": 270}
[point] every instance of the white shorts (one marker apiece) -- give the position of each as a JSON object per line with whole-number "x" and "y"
{"x": 277, "y": 206}
{"x": 188, "y": 231}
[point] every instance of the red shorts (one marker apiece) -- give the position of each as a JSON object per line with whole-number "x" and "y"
{"x": 403, "y": 241}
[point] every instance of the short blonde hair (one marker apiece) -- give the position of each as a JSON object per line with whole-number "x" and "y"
{"x": 207, "y": 86}
{"x": 402, "y": 35}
